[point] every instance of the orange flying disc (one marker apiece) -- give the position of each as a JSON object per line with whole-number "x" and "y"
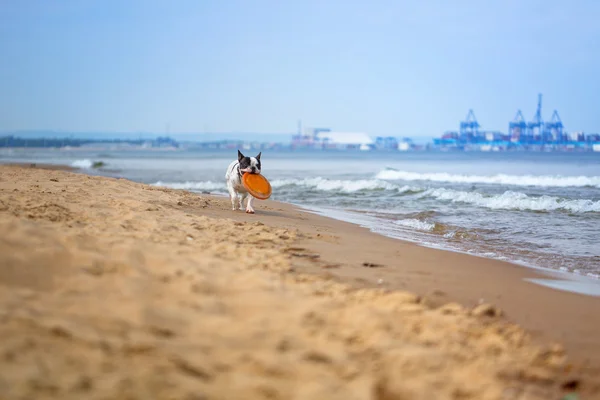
{"x": 257, "y": 185}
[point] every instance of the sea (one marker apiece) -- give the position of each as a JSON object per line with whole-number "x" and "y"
{"x": 540, "y": 210}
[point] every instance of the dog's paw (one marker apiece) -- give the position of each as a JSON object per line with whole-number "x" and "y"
{"x": 249, "y": 211}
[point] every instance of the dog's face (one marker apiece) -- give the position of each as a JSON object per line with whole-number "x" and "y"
{"x": 249, "y": 164}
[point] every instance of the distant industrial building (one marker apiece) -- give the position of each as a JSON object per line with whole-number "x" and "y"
{"x": 345, "y": 140}
{"x": 386, "y": 143}
{"x": 325, "y": 138}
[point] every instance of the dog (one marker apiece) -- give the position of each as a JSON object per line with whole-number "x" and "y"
{"x": 237, "y": 191}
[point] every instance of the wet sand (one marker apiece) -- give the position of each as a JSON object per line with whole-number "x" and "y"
{"x": 113, "y": 289}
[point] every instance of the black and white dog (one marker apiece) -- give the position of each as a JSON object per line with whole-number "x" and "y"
{"x": 237, "y": 191}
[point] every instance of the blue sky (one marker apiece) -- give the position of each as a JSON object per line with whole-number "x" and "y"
{"x": 403, "y": 68}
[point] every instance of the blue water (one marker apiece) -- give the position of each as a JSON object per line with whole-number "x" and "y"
{"x": 538, "y": 209}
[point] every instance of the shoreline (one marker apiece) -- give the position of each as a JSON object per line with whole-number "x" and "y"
{"x": 548, "y": 148}
{"x": 349, "y": 216}
{"x": 444, "y": 287}
{"x": 586, "y": 284}
{"x": 560, "y": 280}
{"x": 348, "y": 254}
{"x": 546, "y": 277}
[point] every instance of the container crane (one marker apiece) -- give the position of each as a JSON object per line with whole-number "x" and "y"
{"x": 535, "y": 127}
{"x": 554, "y": 129}
{"x": 469, "y": 128}
{"x": 517, "y": 127}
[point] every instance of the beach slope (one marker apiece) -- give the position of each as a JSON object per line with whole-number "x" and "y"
{"x": 114, "y": 289}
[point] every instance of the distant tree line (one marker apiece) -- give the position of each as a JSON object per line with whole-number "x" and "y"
{"x": 12, "y": 141}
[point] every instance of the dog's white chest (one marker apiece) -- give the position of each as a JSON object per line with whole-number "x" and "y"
{"x": 233, "y": 177}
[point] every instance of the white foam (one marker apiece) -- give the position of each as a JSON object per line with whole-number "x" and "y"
{"x": 84, "y": 164}
{"x": 415, "y": 224}
{"x": 207, "y": 185}
{"x": 342, "y": 186}
{"x": 510, "y": 200}
{"x": 503, "y": 179}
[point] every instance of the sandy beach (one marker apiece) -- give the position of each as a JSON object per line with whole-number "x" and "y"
{"x": 115, "y": 289}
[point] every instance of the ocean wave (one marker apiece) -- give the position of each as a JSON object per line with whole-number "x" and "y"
{"x": 83, "y": 164}
{"x": 318, "y": 184}
{"x": 342, "y": 186}
{"x": 206, "y": 185}
{"x": 416, "y": 224}
{"x": 502, "y": 179}
{"x": 510, "y": 200}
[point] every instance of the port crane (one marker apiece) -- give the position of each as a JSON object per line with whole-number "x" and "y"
{"x": 517, "y": 127}
{"x": 535, "y": 127}
{"x": 469, "y": 128}
{"x": 554, "y": 129}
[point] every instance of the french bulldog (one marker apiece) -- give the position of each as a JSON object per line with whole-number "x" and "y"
{"x": 237, "y": 191}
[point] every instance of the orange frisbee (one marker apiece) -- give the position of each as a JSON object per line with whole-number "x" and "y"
{"x": 257, "y": 185}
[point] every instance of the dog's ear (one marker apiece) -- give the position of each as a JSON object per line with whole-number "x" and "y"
{"x": 258, "y": 156}
{"x": 240, "y": 156}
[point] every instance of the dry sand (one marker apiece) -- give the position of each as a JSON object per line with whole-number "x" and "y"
{"x": 112, "y": 289}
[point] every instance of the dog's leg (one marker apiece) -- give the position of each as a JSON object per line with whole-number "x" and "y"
{"x": 249, "y": 208}
{"x": 233, "y": 197}
{"x": 242, "y": 198}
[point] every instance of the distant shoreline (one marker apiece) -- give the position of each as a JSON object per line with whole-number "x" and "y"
{"x": 200, "y": 148}
{"x": 389, "y": 144}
